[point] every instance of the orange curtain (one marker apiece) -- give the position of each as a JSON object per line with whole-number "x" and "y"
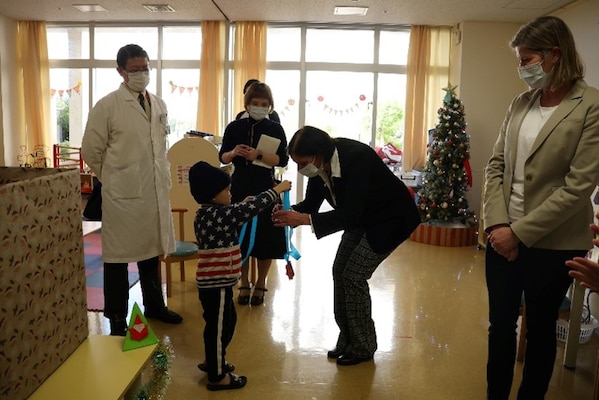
{"x": 212, "y": 76}
{"x": 427, "y": 75}
{"x": 249, "y": 57}
{"x": 33, "y": 65}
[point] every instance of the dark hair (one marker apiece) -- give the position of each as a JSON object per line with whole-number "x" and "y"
{"x": 542, "y": 35}
{"x": 130, "y": 51}
{"x": 249, "y": 83}
{"x": 258, "y": 90}
{"x": 311, "y": 141}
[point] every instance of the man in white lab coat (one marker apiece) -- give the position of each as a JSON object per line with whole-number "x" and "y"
{"x": 125, "y": 146}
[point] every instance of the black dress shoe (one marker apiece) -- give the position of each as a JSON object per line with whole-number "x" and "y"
{"x": 165, "y": 315}
{"x": 348, "y": 359}
{"x": 118, "y": 327}
{"x": 335, "y": 353}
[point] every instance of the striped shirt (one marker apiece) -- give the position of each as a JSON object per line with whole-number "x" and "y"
{"x": 217, "y": 229}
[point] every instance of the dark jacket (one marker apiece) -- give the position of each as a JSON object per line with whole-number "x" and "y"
{"x": 369, "y": 197}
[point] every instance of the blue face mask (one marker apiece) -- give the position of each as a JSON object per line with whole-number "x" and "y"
{"x": 534, "y": 75}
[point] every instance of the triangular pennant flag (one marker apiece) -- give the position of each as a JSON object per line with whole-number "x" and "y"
{"x": 139, "y": 332}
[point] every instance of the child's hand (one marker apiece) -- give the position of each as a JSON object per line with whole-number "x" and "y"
{"x": 284, "y": 186}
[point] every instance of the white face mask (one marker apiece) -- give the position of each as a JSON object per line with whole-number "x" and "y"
{"x": 534, "y": 75}
{"x": 138, "y": 81}
{"x": 311, "y": 170}
{"x": 258, "y": 113}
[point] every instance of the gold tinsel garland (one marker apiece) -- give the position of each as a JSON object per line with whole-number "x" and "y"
{"x": 155, "y": 388}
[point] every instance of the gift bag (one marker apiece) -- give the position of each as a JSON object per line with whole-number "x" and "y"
{"x": 93, "y": 208}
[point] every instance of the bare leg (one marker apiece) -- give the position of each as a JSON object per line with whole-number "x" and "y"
{"x": 244, "y": 284}
{"x": 260, "y": 286}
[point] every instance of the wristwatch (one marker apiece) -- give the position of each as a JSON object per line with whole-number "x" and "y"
{"x": 259, "y": 156}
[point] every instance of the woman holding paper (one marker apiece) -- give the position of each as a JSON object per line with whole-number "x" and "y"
{"x": 256, "y": 145}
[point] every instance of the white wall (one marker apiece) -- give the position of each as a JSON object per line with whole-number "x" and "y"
{"x": 583, "y": 19}
{"x": 487, "y": 81}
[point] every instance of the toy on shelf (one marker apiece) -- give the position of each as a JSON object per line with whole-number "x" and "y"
{"x": 66, "y": 156}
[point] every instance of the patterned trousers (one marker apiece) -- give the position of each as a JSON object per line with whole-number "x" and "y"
{"x": 354, "y": 264}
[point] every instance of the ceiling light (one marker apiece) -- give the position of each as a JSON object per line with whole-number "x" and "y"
{"x": 89, "y": 7}
{"x": 158, "y": 8}
{"x": 345, "y": 10}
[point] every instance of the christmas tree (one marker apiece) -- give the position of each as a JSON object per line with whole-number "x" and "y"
{"x": 446, "y": 173}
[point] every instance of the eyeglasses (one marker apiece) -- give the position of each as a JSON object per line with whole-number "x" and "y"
{"x": 141, "y": 69}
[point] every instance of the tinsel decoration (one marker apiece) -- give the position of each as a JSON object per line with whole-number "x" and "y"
{"x": 155, "y": 388}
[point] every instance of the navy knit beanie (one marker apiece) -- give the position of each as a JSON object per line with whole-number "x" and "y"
{"x": 206, "y": 181}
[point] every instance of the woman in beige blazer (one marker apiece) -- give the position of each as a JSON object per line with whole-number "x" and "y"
{"x": 537, "y": 207}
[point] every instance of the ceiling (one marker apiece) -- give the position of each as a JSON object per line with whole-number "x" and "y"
{"x": 396, "y": 12}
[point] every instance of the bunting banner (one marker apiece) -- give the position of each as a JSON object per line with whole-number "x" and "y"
{"x": 68, "y": 92}
{"x": 183, "y": 89}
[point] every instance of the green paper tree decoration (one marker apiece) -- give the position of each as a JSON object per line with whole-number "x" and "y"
{"x": 445, "y": 179}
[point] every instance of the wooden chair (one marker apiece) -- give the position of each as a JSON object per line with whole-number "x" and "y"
{"x": 184, "y": 251}
{"x": 564, "y": 313}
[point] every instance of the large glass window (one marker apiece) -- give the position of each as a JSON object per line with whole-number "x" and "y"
{"x": 68, "y": 42}
{"x": 393, "y": 47}
{"x": 182, "y": 43}
{"x": 340, "y": 103}
{"x": 283, "y": 44}
{"x": 390, "y": 113}
{"x": 180, "y": 93}
{"x": 69, "y": 49}
{"x": 285, "y": 86}
{"x": 337, "y": 84}
{"x": 69, "y": 92}
{"x": 340, "y": 45}
{"x": 108, "y": 40}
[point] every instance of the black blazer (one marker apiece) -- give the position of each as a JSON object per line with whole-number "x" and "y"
{"x": 369, "y": 197}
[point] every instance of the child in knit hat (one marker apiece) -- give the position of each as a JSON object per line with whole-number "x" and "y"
{"x": 217, "y": 224}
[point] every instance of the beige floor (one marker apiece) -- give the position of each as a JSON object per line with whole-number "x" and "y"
{"x": 430, "y": 310}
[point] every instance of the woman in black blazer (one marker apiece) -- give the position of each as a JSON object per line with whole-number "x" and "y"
{"x": 373, "y": 208}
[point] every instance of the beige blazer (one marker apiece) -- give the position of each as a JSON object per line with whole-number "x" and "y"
{"x": 560, "y": 172}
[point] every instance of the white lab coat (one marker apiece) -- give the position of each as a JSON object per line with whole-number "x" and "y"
{"x": 127, "y": 152}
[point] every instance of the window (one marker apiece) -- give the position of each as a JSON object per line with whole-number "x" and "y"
{"x": 349, "y": 81}
{"x": 78, "y": 80}
{"x": 340, "y": 45}
{"x": 108, "y": 41}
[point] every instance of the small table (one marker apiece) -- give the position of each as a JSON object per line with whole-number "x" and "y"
{"x": 98, "y": 369}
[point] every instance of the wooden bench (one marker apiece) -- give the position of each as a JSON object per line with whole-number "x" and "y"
{"x": 98, "y": 370}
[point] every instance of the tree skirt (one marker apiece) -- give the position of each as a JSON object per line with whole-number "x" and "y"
{"x": 447, "y": 236}
{"x": 94, "y": 271}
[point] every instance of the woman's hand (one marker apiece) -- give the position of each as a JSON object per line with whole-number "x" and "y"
{"x": 504, "y": 242}
{"x": 241, "y": 150}
{"x": 289, "y": 218}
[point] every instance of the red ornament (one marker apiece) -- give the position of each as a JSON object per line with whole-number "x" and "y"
{"x": 362, "y": 97}
{"x": 320, "y": 98}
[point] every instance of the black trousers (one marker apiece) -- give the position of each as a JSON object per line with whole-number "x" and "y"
{"x": 542, "y": 277}
{"x": 116, "y": 287}
{"x": 220, "y": 317}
